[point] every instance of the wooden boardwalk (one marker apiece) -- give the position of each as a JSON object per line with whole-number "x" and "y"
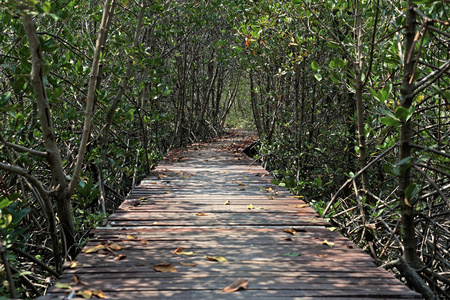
{"x": 213, "y": 201}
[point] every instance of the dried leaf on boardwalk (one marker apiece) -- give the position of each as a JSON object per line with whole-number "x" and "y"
{"x": 238, "y": 284}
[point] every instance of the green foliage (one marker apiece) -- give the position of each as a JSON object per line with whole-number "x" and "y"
{"x": 11, "y": 215}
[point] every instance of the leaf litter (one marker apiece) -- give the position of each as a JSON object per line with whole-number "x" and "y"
{"x": 237, "y": 285}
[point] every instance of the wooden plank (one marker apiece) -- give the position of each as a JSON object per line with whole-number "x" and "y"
{"x": 161, "y": 214}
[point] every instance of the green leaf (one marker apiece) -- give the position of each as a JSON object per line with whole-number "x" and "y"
{"x": 315, "y": 66}
{"x": 375, "y": 95}
{"x": 5, "y": 202}
{"x": 409, "y": 191}
{"x": 403, "y": 113}
{"x": 403, "y": 161}
{"x": 388, "y": 113}
{"x": 390, "y": 122}
{"x": 385, "y": 92}
{"x": 292, "y": 254}
{"x": 4, "y": 99}
{"x": 388, "y": 169}
{"x": 57, "y": 93}
{"x": 318, "y": 77}
{"x": 47, "y": 7}
{"x": 296, "y": 1}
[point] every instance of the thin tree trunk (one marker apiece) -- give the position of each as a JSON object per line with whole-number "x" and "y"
{"x": 359, "y": 101}
{"x": 407, "y": 91}
{"x": 54, "y": 156}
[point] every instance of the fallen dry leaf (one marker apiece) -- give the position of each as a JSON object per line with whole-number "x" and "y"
{"x": 322, "y": 255}
{"x": 144, "y": 241}
{"x": 301, "y": 205}
{"x": 287, "y": 239}
{"x": 238, "y": 284}
{"x": 130, "y": 237}
{"x": 216, "y": 258}
{"x": 227, "y": 202}
{"x": 185, "y": 253}
{"x": 73, "y": 264}
{"x": 164, "y": 268}
{"x": 94, "y": 249}
{"x": 250, "y": 206}
{"x": 180, "y": 251}
{"x": 330, "y": 244}
{"x": 99, "y": 294}
{"x": 120, "y": 257}
{"x": 86, "y": 294}
{"x": 290, "y": 230}
{"x": 201, "y": 214}
{"x": 113, "y": 246}
{"x": 60, "y": 285}
{"x": 187, "y": 264}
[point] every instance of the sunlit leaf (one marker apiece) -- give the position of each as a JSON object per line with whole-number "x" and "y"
{"x": 94, "y": 249}
{"x": 301, "y": 205}
{"x": 73, "y": 264}
{"x": 86, "y": 294}
{"x": 164, "y": 268}
{"x": 201, "y": 214}
{"x": 227, "y": 202}
{"x": 144, "y": 241}
{"x": 120, "y": 257}
{"x": 130, "y": 237}
{"x": 330, "y": 244}
{"x": 250, "y": 206}
{"x": 290, "y": 230}
{"x": 238, "y": 284}
{"x": 216, "y": 258}
{"x": 61, "y": 285}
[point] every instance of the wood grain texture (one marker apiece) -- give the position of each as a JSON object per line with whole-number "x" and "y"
{"x": 212, "y": 200}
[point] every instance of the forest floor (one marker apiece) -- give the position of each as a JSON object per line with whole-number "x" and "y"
{"x": 208, "y": 224}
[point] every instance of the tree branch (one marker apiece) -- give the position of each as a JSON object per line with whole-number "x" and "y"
{"x": 89, "y": 112}
{"x": 22, "y": 148}
{"x": 433, "y": 183}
